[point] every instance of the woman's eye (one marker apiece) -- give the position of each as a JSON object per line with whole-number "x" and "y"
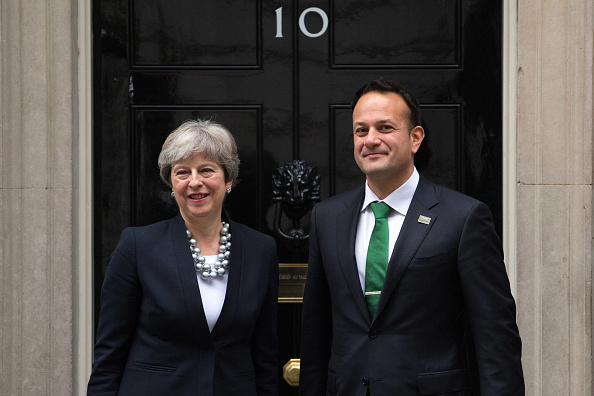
{"x": 181, "y": 173}
{"x": 207, "y": 172}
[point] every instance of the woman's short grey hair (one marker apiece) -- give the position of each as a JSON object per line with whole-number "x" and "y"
{"x": 195, "y": 136}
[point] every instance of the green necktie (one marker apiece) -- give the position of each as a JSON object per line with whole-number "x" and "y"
{"x": 377, "y": 256}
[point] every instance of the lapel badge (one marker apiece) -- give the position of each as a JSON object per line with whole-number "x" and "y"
{"x": 424, "y": 219}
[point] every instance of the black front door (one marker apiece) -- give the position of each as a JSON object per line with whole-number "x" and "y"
{"x": 280, "y": 75}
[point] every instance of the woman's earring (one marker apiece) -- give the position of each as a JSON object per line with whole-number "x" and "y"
{"x": 172, "y": 194}
{"x": 228, "y": 190}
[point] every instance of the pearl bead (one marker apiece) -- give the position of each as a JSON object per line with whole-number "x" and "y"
{"x": 219, "y": 267}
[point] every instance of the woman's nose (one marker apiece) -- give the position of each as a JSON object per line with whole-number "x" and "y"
{"x": 195, "y": 179}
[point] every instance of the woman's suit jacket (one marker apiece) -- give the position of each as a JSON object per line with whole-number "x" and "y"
{"x": 153, "y": 338}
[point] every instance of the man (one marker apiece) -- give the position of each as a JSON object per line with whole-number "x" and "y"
{"x": 441, "y": 320}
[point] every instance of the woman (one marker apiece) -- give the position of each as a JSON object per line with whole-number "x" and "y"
{"x": 189, "y": 305}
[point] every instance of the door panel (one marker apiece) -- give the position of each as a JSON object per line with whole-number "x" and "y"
{"x": 281, "y": 76}
{"x": 403, "y": 34}
{"x": 215, "y": 34}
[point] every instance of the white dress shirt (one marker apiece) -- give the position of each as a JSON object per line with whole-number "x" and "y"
{"x": 399, "y": 200}
{"x": 213, "y": 293}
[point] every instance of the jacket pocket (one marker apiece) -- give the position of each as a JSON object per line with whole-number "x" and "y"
{"x": 152, "y": 367}
{"x": 444, "y": 382}
{"x": 430, "y": 261}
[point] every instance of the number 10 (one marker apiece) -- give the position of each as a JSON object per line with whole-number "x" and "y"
{"x": 302, "y": 27}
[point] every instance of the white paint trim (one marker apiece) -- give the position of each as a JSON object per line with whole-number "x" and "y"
{"x": 82, "y": 200}
{"x": 510, "y": 125}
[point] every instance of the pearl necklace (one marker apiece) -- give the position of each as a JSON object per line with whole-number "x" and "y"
{"x": 219, "y": 268}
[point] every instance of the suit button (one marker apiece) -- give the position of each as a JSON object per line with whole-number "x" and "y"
{"x": 365, "y": 381}
{"x": 373, "y": 334}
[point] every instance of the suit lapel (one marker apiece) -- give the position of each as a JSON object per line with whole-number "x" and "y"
{"x": 413, "y": 232}
{"x": 232, "y": 294}
{"x": 187, "y": 274}
{"x": 346, "y": 233}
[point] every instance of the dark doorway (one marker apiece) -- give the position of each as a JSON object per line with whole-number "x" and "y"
{"x": 280, "y": 74}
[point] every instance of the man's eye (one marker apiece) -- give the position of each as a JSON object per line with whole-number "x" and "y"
{"x": 361, "y": 132}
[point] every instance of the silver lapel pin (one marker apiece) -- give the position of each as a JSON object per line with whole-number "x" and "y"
{"x": 424, "y": 219}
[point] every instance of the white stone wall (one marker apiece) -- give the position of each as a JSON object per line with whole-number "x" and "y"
{"x": 554, "y": 195}
{"x": 36, "y": 190}
{"x": 45, "y": 198}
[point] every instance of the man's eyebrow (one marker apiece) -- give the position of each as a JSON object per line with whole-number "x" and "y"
{"x": 386, "y": 121}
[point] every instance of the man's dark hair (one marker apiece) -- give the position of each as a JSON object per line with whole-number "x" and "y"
{"x": 389, "y": 86}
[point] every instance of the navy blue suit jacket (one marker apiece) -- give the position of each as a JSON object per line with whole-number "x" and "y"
{"x": 153, "y": 338}
{"x": 446, "y": 319}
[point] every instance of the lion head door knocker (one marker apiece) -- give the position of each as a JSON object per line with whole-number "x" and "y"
{"x": 296, "y": 188}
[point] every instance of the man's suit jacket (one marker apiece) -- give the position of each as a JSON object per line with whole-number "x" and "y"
{"x": 446, "y": 319}
{"x": 153, "y": 337}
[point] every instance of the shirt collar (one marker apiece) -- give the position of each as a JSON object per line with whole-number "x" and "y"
{"x": 399, "y": 199}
